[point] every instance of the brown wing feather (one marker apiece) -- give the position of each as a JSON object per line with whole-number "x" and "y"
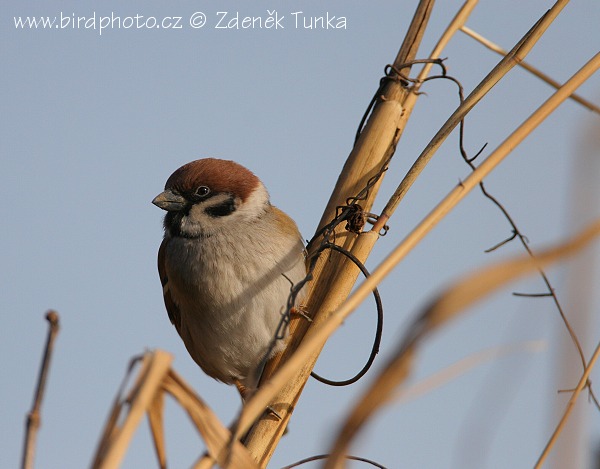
{"x": 172, "y": 309}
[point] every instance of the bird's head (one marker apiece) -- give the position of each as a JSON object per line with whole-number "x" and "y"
{"x": 209, "y": 195}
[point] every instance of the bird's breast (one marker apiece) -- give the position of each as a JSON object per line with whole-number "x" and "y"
{"x": 231, "y": 294}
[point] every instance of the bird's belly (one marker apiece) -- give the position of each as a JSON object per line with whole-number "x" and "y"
{"x": 230, "y": 338}
{"x": 231, "y": 300}
{"x": 229, "y": 324}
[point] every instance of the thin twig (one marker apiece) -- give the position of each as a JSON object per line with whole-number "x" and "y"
{"x": 501, "y": 243}
{"x": 551, "y": 293}
{"x": 463, "y": 366}
{"x": 33, "y": 417}
{"x": 517, "y": 54}
{"x": 583, "y": 382}
{"x": 533, "y": 295}
{"x": 457, "y": 22}
{"x": 516, "y": 233}
{"x": 333, "y": 280}
{"x": 120, "y": 429}
{"x": 452, "y": 302}
{"x": 320, "y": 457}
{"x": 530, "y": 68}
{"x": 313, "y": 341}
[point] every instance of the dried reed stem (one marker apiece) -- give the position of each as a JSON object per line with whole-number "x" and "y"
{"x": 530, "y": 68}
{"x": 461, "y": 367}
{"x": 317, "y": 337}
{"x": 33, "y": 417}
{"x": 222, "y": 449}
{"x": 116, "y": 438}
{"x": 329, "y": 288}
{"x": 155, "y": 378}
{"x": 516, "y": 55}
{"x": 156, "y": 421}
{"x": 448, "y": 305}
{"x": 583, "y": 382}
{"x": 457, "y": 23}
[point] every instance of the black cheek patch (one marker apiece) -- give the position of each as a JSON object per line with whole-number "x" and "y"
{"x": 225, "y": 208}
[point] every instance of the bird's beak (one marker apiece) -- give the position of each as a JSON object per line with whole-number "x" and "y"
{"x": 169, "y": 201}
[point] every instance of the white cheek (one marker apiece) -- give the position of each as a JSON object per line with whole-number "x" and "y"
{"x": 197, "y": 214}
{"x": 255, "y": 203}
{"x": 198, "y": 222}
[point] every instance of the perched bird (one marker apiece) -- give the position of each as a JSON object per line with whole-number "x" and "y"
{"x": 227, "y": 263}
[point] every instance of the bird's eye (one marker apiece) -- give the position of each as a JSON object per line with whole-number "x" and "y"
{"x": 202, "y": 191}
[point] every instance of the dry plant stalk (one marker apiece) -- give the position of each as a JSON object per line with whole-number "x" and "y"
{"x": 515, "y": 56}
{"x": 33, "y": 417}
{"x": 333, "y": 275}
{"x": 461, "y": 367}
{"x": 530, "y": 68}
{"x": 583, "y": 382}
{"x": 153, "y": 380}
{"x": 379, "y": 135}
{"x": 225, "y": 451}
{"x": 156, "y": 422}
{"x": 447, "y": 306}
{"x": 367, "y": 239}
{"x": 316, "y": 337}
{"x": 115, "y": 438}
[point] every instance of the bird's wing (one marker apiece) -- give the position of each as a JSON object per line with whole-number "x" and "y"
{"x": 172, "y": 309}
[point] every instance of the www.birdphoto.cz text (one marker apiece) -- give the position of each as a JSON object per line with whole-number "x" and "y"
{"x": 228, "y": 20}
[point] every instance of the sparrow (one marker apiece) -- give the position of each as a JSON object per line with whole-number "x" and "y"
{"x": 227, "y": 263}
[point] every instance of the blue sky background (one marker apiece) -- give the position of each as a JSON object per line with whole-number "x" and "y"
{"x": 92, "y": 125}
